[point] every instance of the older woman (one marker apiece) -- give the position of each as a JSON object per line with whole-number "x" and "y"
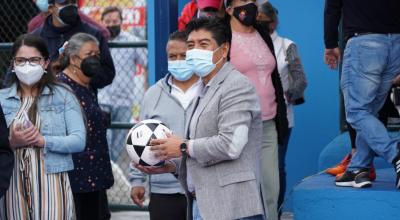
{"x": 78, "y": 63}
{"x": 46, "y": 127}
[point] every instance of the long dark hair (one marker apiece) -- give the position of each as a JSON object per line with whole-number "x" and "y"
{"x": 48, "y": 79}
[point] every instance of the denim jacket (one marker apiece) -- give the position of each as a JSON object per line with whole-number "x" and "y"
{"x": 62, "y": 124}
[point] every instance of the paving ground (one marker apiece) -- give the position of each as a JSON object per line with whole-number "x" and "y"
{"x": 145, "y": 216}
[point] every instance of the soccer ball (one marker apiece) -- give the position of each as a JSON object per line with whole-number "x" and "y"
{"x": 138, "y": 141}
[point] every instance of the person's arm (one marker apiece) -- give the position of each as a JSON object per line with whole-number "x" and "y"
{"x": 332, "y": 15}
{"x": 107, "y": 73}
{"x": 75, "y": 140}
{"x": 6, "y": 156}
{"x": 238, "y": 104}
{"x": 296, "y": 71}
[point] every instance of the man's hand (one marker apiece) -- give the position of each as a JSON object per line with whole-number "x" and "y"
{"x": 168, "y": 167}
{"x": 137, "y": 195}
{"x": 332, "y": 57}
{"x": 167, "y": 148}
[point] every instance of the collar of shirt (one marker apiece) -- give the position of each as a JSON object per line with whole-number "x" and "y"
{"x": 185, "y": 97}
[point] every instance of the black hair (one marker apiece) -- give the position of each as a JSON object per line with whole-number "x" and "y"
{"x": 178, "y": 36}
{"x": 218, "y": 27}
{"x": 270, "y": 11}
{"x": 111, "y": 9}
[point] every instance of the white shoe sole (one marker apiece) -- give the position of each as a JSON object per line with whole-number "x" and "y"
{"x": 354, "y": 184}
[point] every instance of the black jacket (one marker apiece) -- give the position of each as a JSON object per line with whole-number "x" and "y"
{"x": 360, "y": 16}
{"x": 55, "y": 38}
{"x": 6, "y": 156}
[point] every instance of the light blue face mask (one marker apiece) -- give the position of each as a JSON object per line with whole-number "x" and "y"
{"x": 180, "y": 70}
{"x": 43, "y": 5}
{"x": 201, "y": 61}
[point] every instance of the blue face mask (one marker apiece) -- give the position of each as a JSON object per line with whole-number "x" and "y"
{"x": 180, "y": 70}
{"x": 43, "y": 5}
{"x": 201, "y": 61}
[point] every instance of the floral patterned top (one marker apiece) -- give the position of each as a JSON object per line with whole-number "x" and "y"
{"x": 92, "y": 167}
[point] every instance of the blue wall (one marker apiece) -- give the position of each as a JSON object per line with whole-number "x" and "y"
{"x": 317, "y": 121}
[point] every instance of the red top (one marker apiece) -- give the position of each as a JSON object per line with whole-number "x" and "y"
{"x": 188, "y": 12}
{"x": 39, "y": 19}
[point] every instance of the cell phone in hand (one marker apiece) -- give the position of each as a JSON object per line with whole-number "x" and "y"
{"x": 26, "y": 122}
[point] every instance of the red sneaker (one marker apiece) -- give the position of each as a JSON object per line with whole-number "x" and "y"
{"x": 339, "y": 168}
{"x": 372, "y": 173}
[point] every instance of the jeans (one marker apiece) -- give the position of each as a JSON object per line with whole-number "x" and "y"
{"x": 370, "y": 63}
{"x": 197, "y": 216}
{"x": 116, "y": 137}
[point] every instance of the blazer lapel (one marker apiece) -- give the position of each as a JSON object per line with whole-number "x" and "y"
{"x": 209, "y": 95}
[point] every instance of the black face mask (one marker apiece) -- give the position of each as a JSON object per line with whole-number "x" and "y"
{"x": 91, "y": 66}
{"x": 69, "y": 14}
{"x": 265, "y": 25}
{"x": 246, "y": 14}
{"x": 114, "y": 30}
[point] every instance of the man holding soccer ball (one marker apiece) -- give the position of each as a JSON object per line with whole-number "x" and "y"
{"x": 220, "y": 156}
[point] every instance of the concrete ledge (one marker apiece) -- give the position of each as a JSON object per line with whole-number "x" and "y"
{"x": 317, "y": 198}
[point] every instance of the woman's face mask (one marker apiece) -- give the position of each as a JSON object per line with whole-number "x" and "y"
{"x": 246, "y": 14}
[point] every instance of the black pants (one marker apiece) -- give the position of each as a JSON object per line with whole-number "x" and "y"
{"x": 93, "y": 206}
{"x": 167, "y": 206}
{"x": 282, "y": 150}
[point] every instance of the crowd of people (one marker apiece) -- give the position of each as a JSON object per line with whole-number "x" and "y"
{"x": 228, "y": 97}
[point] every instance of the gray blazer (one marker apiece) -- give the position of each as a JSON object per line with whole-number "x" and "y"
{"x": 225, "y": 133}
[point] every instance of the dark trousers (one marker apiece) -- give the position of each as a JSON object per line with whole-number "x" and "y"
{"x": 92, "y": 205}
{"x": 167, "y": 206}
{"x": 282, "y": 149}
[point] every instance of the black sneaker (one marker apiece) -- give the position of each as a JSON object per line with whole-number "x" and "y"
{"x": 357, "y": 179}
{"x": 396, "y": 164}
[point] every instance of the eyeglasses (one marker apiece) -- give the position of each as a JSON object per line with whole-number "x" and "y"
{"x": 20, "y": 61}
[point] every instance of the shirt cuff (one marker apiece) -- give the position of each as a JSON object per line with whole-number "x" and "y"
{"x": 190, "y": 149}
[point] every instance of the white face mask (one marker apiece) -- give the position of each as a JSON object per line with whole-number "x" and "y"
{"x": 201, "y": 61}
{"x": 29, "y": 74}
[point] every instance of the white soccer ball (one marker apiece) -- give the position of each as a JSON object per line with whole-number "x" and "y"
{"x": 138, "y": 141}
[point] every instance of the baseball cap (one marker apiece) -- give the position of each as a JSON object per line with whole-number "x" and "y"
{"x": 209, "y": 4}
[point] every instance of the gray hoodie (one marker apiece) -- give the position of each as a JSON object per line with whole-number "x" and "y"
{"x": 158, "y": 103}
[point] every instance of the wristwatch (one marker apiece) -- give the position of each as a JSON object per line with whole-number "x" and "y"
{"x": 183, "y": 147}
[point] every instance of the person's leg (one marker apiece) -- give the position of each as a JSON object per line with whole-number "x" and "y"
{"x": 365, "y": 83}
{"x": 282, "y": 150}
{"x": 353, "y": 135}
{"x": 87, "y": 205}
{"x": 167, "y": 206}
{"x": 269, "y": 169}
{"x": 105, "y": 213}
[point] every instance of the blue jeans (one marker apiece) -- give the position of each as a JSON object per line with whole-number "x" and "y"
{"x": 197, "y": 216}
{"x": 370, "y": 64}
